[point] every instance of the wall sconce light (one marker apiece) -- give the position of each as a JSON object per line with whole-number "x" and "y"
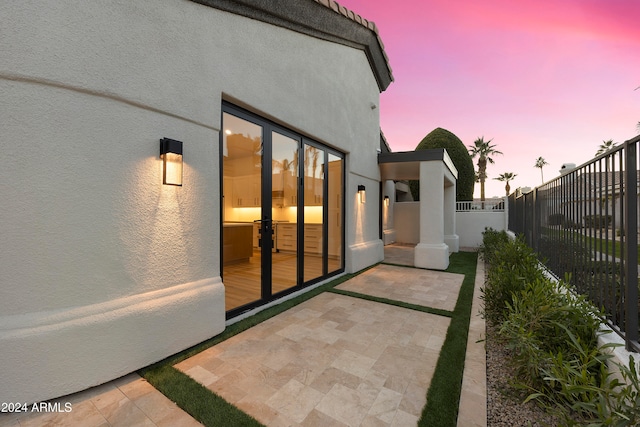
{"x": 386, "y": 201}
{"x": 361, "y": 193}
{"x": 171, "y": 155}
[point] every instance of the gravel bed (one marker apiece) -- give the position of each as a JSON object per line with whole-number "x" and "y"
{"x": 504, "y": 408}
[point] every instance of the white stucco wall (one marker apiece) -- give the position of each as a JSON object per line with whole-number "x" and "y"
{"x": 104, "y": 269}
{"x": 364, "y": 246}
{"x": 388, "y": 221}
{"x": 470, "y": 226}
{"x": 407, "y": 222}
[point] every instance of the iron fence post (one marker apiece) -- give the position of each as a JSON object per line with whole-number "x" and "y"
{"x": 631, "y": 243}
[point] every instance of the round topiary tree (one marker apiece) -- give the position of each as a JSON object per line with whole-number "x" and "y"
{"x": 442, "y": 138}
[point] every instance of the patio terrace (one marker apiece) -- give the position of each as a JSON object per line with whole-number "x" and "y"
{"x": 350, "y": 355}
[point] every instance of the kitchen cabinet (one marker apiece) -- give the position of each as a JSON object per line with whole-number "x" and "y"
{"x": 313, "y": 189}
{"x": 313, "y": 238}
{"x": 246, "y": 191}
{"x": 287, "y": 237}
{"x": 290, "y": 184}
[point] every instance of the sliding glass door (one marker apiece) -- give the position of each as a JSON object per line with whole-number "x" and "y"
{"x": 282, "y": 210}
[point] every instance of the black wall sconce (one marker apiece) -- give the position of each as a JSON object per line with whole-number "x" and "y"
{"x": 362, "y": 194}
{"x": 386, "y": 201}
{"x": 171, "y": 155}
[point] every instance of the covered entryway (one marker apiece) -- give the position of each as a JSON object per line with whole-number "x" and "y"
{"x": 434, "y": 229}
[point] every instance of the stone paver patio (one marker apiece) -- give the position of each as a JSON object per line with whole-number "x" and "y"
{"x": 129, "y": 401}
{"x": 333, "y": 360}
{"x": 428, "y": 288}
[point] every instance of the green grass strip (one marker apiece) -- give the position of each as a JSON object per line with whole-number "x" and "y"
{"x": 443, "y": 396}
{"x": 198, "y": 401}
{"x": 402, "y": 304}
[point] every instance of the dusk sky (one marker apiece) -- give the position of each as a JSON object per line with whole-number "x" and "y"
{"x": 550, "y": 78}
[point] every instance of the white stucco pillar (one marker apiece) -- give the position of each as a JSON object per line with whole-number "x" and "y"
{"x": 431, "y": 251}
{"x": 451, "y": 238}
{"x": 388, "y": 227}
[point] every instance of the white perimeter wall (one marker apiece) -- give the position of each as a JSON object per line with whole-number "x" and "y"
{"x": 470, "y": 225}
{"x": 105, "y": 270}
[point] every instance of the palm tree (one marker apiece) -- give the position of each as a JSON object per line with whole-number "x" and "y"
{"x": 605, "y": 146}
{"x": 506, "y": 177}
{"x": 540, "y": 163}
{"x": 484, "y": 150}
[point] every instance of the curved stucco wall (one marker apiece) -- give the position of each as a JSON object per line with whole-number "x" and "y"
{"x": 105, "y": 270}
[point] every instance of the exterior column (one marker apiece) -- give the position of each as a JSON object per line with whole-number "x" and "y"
{"x": 451, "y": 239}
{"x": 432, "y": 252}
{"x": 388, "y": 227}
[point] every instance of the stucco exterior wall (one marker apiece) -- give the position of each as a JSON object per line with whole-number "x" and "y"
{"x": 471, "y": 225}
{"x": 407, "y": 222}
{"x": 105, "y": 270}
{"x": 363, "y": 243}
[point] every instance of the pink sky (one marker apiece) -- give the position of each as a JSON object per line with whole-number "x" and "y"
{"x": 550, "y": 78}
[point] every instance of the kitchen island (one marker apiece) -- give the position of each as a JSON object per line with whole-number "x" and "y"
{"x": 237, "y": 238}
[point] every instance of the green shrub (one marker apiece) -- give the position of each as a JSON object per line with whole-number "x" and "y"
{"x": 492, "y": 240}
{"x": 597, "y": 221}
{"x": 540, "y": 321}
{"x": 552, "y": 336}
{"x": 556, "y": 219}
{"x": 583, "y": 391}
{"x": 512, "y": 264}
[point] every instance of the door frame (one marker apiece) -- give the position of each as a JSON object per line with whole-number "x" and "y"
{"x": 266, "y": 288}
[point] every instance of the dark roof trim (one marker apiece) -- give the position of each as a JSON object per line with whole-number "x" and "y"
{"x": 323, "y": 19}
{"x": 384, "y": 145}
{"x": 412, "y": 160}
{"x": 412, "y": 156}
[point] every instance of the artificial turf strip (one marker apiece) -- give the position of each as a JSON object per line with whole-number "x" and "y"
{"x": 437, "y": 311}
{"x": 443, "y": 396}
{"x": 198, "y": 401}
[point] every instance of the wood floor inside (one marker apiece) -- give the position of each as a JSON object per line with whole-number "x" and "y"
{"x": 242, "y": 279}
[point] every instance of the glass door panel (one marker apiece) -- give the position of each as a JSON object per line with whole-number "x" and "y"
{"x": 241, "y": 206}
{"x": 313, "y": 212}
{"x": 334, "y": 217}
{"x": 284, "y": 211}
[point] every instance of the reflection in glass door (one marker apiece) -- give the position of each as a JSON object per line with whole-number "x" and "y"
{"x": 313, "y": 212}
{"x": 334, "y": 213}
{"x": 284, "y": 211}
{"x": 241, "y": 211}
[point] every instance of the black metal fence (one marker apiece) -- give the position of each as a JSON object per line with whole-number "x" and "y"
{"x": 584, "y": 227}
